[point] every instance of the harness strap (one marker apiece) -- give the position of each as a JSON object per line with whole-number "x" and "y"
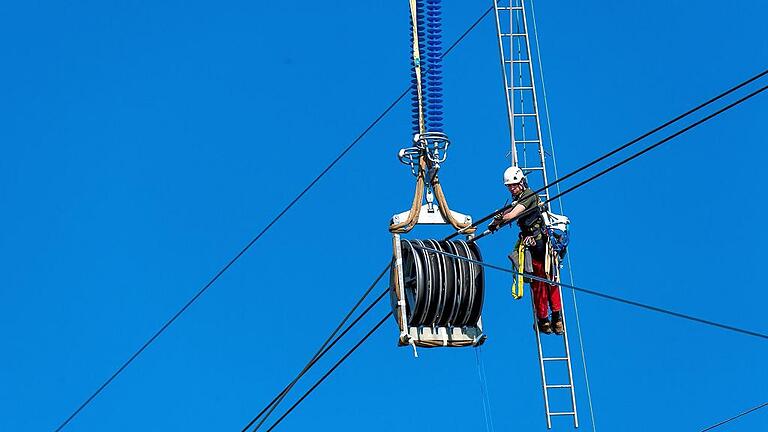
{"x": 517, "y": 281}
{"x": 548, "y": 259}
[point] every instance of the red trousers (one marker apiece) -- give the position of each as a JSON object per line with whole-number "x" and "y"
{"x": 545, "y": 296}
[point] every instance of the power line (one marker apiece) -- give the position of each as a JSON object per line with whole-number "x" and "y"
{"x": 258, "y": 236}
{"x": 609, "y": 169}
{"x": 324, "y": 348}
{"x": 657, "y": 144}
{"x": 735, "y": 417}
{"x": 602, "y": 295}
{"x": 663, "y": 126}
{"x": 626, "y": 145}
{"x": 330, "y": 371}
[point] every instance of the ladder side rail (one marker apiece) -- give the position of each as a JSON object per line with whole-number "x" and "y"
{"x": 567, "y": 346}
{"x": 506, "y": 82}
{"x": 541, "y": 363}
{"x": 514, "y": 9}
{"x": 535, "y": 100}
{"x": 523, "y": 88}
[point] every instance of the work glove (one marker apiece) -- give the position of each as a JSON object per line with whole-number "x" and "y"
{"x": 529, "y": 241}
{"x": 495, "y": 223}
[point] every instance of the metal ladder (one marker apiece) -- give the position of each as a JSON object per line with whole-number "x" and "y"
{"x": 527, "y": 152}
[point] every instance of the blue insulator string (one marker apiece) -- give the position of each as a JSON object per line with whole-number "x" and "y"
{"x": 434, "y": 75}
{"x": 424, "y": 62}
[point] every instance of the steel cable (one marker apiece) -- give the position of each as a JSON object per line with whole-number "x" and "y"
{"x": 735, "y": 417}
{"x": 324, "y": 348}
{"x": 330, "y": 371}
{"x": 628, "y": 144}
{"x": 612, "y": 167}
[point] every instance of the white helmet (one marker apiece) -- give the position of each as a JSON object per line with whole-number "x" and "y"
{"x": 513, "y": 175}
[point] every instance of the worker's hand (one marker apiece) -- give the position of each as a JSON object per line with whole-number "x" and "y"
{"x": 529, "y": 241}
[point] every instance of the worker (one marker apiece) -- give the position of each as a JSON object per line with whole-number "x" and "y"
{"x": 534, "y": 236}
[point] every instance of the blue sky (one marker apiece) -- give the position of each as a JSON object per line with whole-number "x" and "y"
{"x": 145, "y": 143}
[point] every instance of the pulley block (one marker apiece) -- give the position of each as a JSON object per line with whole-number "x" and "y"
{"x": 443, "y": 295}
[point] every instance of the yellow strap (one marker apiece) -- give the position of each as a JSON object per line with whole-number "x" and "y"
{"x": 517, "y": 281}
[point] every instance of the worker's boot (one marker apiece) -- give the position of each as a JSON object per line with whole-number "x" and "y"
{"x": 557, "y": 323}
{"x": 544, "y": 326}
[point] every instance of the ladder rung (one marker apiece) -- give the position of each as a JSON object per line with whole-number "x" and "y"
{"x": 510, "y": 8}
{"x": 558, "y": 386}
{"x": 555, "y": 359}
{"x": 527, "y": 141}
{"x": 519, "y": 88}
{"x": 562, "y": 413}
{"x": 513, "y": 34}
{"x": 524, "y": 114}
{"x": 532, "y": 169}
{"x": 516, "y": 61}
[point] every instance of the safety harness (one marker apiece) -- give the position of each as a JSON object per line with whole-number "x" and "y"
{"x": 557, "y": 237}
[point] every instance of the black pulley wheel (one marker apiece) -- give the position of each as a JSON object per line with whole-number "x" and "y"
{"x": 434, "y": 281}
{"x": 476, "y": 308}
{"x": 465, "y": 282}
{"x": 414, "y": 282}
{"x": 458, "y": 272}
{"x": 448, "y": 302}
